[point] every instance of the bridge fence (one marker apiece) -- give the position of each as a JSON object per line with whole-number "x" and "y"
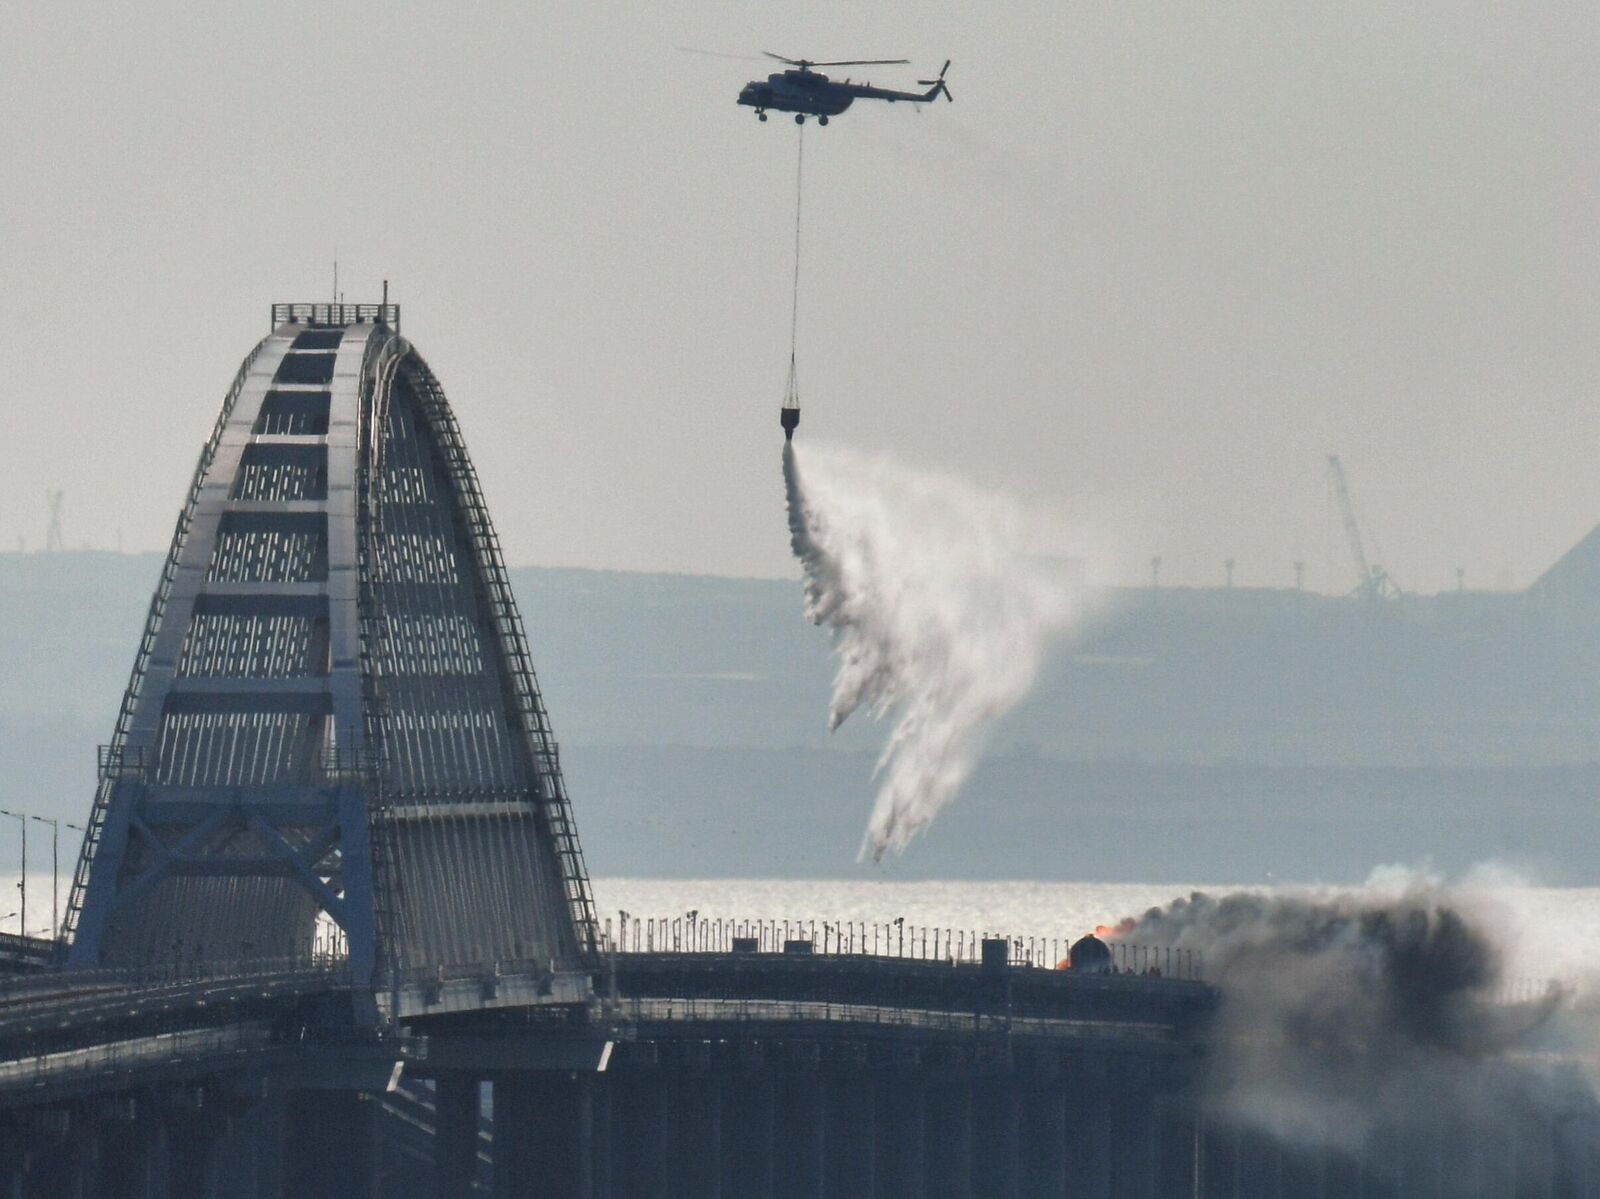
{"x": 819, "y": 1011}
{"x": 692, "y": 933}
{"x": 330, "y": 969}
{"x": 695, "y": 934}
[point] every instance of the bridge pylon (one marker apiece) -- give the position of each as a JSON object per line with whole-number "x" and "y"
{"x": 333, "y": 743}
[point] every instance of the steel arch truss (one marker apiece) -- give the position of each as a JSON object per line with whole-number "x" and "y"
{"x": 333, "y": 715}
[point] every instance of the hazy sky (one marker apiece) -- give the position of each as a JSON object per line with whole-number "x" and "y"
{"x": 1151, "y": 266}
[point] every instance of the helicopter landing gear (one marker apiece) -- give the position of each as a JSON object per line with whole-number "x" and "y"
{"x": 799, "y": 118}
{"x": 822, "y": 120}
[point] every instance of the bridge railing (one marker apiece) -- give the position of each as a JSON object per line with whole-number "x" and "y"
{"x": 30, "y": 953}
{"x": 336, "y": 314}
{"x": 131, "y": 762}
{"x": 767, "y": 1011}
{"x": 68, "y": 983}
{"x": 340, "y": 764}
{"x": 692, "y": 933}
{"x": 182, "y": 1046}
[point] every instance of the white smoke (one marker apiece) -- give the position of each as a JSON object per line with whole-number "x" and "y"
{"x": 939, "y": 618}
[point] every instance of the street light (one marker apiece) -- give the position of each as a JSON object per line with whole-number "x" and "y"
{"x": 55, "y": 869}
{"x": 22, "y": 823}
{"x": 22, "y": 819}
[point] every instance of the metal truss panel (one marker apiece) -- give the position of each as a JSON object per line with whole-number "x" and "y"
{"x": 333, "y": 714}
{"x": 458, "y": 715}
{"x": 246, "y": 687}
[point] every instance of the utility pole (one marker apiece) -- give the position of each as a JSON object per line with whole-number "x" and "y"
{"x": 1227, "y": 569}
{"x": 53, "y": 542}
{"x": 1299, "y": 576}
{"x": 1155, "y": 571}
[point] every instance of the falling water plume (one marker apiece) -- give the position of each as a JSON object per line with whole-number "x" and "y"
{"x": 939, "y": 618}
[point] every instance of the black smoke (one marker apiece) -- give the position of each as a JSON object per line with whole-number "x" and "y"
{"x": 1349, "y": 1023}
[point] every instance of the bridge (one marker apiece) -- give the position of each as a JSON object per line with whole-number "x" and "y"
{"x": 331, "y": 933}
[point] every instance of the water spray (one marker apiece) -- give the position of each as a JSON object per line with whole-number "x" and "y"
{"x": 940, "y": 619}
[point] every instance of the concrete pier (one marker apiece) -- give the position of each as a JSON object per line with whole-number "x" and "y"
{"x": 330, "y": 1149}
{"x": 455, "y": 1136}
{"x": 801, "y": 1119}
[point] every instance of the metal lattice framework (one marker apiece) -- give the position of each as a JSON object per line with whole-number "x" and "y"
{"x": 333, "y": 714}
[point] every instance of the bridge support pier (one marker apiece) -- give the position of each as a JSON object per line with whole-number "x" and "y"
{"x": 1042, "y": 1160}
{"x": 455, "y": 1155}
{"x": 544, "y": 1135}
{"x": 800, "y": 1141}
{"x": 1089, "y": 1141}
{"x": 1135, "y": 1145}
{"x": 600, "y": 1156}
{"x": 330, "y": 1149}
{"x": 901, "y": 1120}
{"x": 697, "y": 1135}
{"x": 750, "y": 1144}
{"x": 639, "y": 1126}
{"x": 192, "y": 1168}
{"x": 128, "y": 1156}
{"x": 851, "y": 1133}
{"x": 1178, "y": 1162}
{"x": 950, "y": 1136}
{"x": 995, "y": 1139}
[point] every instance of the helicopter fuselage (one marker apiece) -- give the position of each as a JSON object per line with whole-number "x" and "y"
{"x": 798, "y": 91}
{"x": 809, "y": 93}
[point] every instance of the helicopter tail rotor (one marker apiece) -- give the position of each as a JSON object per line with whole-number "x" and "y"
{"x": 937, "y": 86}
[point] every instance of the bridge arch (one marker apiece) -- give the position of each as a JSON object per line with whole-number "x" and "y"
{"x": 333, "y": 718}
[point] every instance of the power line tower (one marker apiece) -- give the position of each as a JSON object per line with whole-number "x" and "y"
{"x": 53, "y": 543}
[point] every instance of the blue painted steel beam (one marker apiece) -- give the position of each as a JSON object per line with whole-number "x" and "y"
{"x": 333, "y": 708}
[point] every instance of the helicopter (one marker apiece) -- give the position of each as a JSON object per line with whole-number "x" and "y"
{"x": 806, "y": 92}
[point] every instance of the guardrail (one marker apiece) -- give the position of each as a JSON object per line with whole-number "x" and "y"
{"x": 768, "y": 1011}
{"x": 135, "y": 763}
{"x": 691, "y": 933}
{"x": 31, "y": 952}
{"x": 143, "y": 1053}
{"x": 336, "y": 314}
{"x": 68, "y": 985}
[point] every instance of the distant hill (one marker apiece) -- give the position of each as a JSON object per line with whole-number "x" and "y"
{"x": 1181, "y": 733}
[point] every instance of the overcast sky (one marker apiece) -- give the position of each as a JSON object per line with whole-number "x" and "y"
{"x": 1153, "y": 264}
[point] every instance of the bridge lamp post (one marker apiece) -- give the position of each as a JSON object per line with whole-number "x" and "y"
{"x": 22, "y": 885}
{"x": 55, "y": 868}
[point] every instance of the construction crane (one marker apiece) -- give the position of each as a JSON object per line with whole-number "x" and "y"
{"x": 1374, "y": 581}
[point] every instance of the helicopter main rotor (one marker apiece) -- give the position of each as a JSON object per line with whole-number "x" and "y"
{"x": 805, "y": 64}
